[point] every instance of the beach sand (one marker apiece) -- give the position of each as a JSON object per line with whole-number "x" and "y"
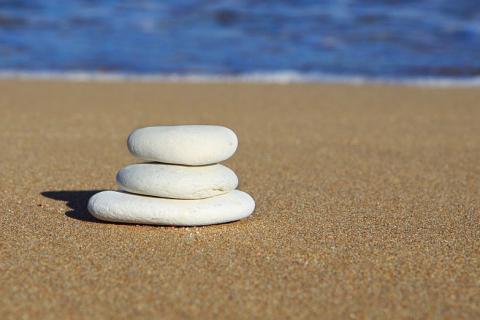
{"x": 367, "y": 204}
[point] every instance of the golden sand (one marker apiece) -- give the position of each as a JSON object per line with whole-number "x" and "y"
{"x": 367, "y": 204}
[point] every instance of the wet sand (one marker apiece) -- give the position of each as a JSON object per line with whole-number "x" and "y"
{"x": 367, "y": 204}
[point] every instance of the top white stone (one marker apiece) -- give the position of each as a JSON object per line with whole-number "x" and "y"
{"x": 186, "y": 144}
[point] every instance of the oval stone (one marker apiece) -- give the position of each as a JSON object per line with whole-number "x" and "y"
{"x": 124, "y": 207}
{"x": 178, "y": 182}
{"x": 186, "y": 144}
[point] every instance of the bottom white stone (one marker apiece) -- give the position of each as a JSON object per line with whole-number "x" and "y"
{"x": 124, "y": 207}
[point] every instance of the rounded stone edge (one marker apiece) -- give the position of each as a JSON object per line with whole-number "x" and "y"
{"x": 124, "y": 187}
{"x": 93, "y": 199}
{"x": 131, "y": 146}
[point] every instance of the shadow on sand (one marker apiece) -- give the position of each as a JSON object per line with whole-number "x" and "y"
{"x": 76, "y": 200}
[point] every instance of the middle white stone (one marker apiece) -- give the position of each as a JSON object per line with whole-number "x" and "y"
{"x": 177, "y": 181}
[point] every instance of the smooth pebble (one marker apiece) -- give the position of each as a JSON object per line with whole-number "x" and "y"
{"x": 185, "y": 144}
{"x": 178, "y": 182}
{"x": 125, "y": 207}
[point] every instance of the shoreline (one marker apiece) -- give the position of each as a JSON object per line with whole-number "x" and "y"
{"x": 281, "y": 77}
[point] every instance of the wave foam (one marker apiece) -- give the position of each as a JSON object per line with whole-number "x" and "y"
{"x": 280, "y": 77}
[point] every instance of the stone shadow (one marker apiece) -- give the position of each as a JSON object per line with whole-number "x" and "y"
{"x": 76, "y": 200}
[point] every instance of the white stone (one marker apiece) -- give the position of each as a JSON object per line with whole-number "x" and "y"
{"x": 124, "y": 207}
{"x": 187, "y": 144}
{"x": 178, "y": 182}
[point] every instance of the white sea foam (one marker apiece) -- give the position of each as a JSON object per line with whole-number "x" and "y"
{"x": 280, "y": 77}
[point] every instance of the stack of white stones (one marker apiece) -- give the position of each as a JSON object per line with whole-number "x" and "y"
{"x": 183, "y": 186}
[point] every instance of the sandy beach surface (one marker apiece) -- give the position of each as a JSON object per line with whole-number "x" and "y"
{"x": 367, "y": 204}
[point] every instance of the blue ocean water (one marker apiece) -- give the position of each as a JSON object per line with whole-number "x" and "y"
{"x": 369, "y": 38}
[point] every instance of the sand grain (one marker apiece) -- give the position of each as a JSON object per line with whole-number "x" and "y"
{"x": 367, "y": 204}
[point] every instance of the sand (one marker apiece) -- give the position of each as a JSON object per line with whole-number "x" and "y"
{"x": 367, "y": 204}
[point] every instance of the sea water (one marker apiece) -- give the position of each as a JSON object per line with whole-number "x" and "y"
{"x": 297, "y": 39}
